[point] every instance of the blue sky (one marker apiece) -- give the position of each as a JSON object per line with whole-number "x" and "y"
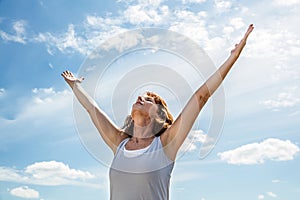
{"x": 257, "y": 153}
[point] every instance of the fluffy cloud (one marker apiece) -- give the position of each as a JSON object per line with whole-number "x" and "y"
{"x": 194, "y": 137}
{"x": 193, "y": 1}
{"x": 85, "y": 37}
{"x": 44, "y": 108}
{"x": 25, "y": 192}
{"x": 274, "y": 43}
{"x": 94, "y": 30}
{"x": 46, "y": 102}
{"x": 51, "y": 169}
{"x": 155, "y": 3}
{"x": 237, "y": 23}
{"x": 222, "y": 6}
{"x": 66, "y": 42}
{"x": 18, "y": 34}
{"x": 19, "y": 27}
{"x": 81, "y": 39}
{"x": 2, "y": 91}
{"x": 283, "y": 100}
{"x": 227, "y": 30}
{"x": 261, "y": 196}
{"x": 258, "y": 153}
{"x": 51, "y": 173}
{"x": 271, "y": 194}
{"x": 286, "y": 2}
{"x": 195, "y": 22}
{"x": 140, "y": 14}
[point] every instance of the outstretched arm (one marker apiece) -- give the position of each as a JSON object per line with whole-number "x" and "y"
{"x": 173, "y": 138}
{"x": 111, "y": 135}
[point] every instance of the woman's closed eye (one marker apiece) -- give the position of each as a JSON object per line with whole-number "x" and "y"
{"x": 149, "y": 99}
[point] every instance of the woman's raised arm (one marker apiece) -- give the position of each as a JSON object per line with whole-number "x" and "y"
{"x": 111, "y": 135}
{"x": 173, "y": 138}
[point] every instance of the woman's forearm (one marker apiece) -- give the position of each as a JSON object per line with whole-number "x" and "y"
{"x": 215, "y": 80}
{"x": 83, "y": 97}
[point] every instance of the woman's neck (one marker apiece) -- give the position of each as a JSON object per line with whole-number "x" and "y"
{"x": 143, "y": 132}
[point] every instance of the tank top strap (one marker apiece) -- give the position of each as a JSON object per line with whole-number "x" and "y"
{"x": 122, "y": 145}
{"x": 156, "y": 144}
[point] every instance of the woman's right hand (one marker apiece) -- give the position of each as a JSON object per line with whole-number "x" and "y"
{"x": 70, "y": 78}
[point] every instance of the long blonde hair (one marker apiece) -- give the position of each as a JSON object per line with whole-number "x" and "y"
{"x": 161, "y": 123}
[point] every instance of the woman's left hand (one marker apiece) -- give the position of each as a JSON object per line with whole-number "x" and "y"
{"x": 239, "y": 47}
{"x": 70, "y": 78}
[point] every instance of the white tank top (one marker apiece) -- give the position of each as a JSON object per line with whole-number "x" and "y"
{"x": 144, "y": 175}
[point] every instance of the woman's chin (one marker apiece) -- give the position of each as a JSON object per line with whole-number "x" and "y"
{"x": 138, "y": 112}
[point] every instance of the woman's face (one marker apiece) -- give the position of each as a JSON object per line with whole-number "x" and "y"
{"x": 144, "y": 106}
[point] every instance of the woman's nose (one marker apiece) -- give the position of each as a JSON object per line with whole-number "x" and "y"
{"x": 140, "y": 98}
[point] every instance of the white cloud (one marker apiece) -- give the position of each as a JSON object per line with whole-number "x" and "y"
{"x": 83, "y": 38}
{"x": 19, "y": 27}
{"x": 51, "y": 173}
{"x": 284, "y": 71}
{"x": 123, "y": 41}
{"x": 196, "y": 26}
{"x": 50, "y": 65}
{"x": 258, "y": 153}
{"x": 222, "y": 6}
{"x": 43, "y": 108}
{"x": 193, "y": 1}
{"x": 151, "y": 2}
{"x": 14, "y": 38}
{"x": 271, "y": 194}
{"x": 227, "y": 30}
{"x": 19, "y": 32}
{"x": 194, "y": 137}
{"x": 51, "y": 169}
{"x": 283, "y": 100}
{"x": 96, "y": 22}
{"x": 67, "y": 42}
{"x": 46, "y": 102}
{"x": 95, "y": 30}
{"x": 275, "y": 181}
{"x": 261, "y": 196}
{"x": 274, "y": 43}
{"x": 146, "y": 14}
{"x": 237, "y": 23}
{"x": 136, "y": 15}
{"x": 286, "y": 2}
{"x": 11, "y": 174}
{"x": 191, "y": 24}
{"x": 43, "y": 91}
{"x": 155, "y": 3}
{"x": 25, "y": 192}
{"x": 2, "y": 91}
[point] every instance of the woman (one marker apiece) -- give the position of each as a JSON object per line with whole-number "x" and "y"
{"x": 145, "y": 148}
